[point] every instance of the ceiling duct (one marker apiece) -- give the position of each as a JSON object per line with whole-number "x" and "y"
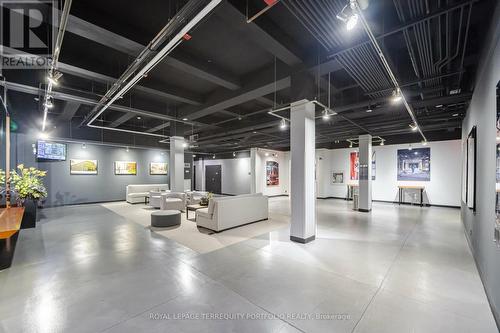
{"x": 172, "y": 34}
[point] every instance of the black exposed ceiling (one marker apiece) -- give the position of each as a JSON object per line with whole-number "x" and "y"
{"x": 227, "y": 77}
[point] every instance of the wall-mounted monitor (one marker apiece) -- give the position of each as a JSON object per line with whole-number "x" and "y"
{"x": 50, "y": 151}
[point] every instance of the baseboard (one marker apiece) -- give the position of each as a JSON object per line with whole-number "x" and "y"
{"x": 394, "y": 202}
{"x": 364, "y": 210}
{"x": 302, "y": 240}
{"x": 277, "y": 195}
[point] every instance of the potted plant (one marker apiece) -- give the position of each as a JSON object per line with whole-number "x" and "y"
{"x": 29, "y": 188}
{"x": 205, "y": 199}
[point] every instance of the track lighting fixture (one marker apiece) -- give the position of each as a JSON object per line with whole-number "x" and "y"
{"x": 84, "y": 146}
{"x": 48, "y": 104}
{"x": 410, "y": 147}
{"x": 382, "y": 142}
{"x": 350, "y": 145}
{"x": 414, "y": 128}
{"x": 53, "y": 78}
{"x": 283, "y": 124}
{"x": 234, "y": 154}
{"x": 348, "y": 15}
{"x": 213, "y": 156}
{"x": 424, "y": 143}
{"x": 397, "y": 96}
{"x": 326, "y": 115}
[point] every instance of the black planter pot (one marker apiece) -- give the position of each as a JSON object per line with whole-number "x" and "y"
{"x": 29, "y": 217}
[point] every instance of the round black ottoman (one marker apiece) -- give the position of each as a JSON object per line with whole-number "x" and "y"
{"x": 165, "y": 218}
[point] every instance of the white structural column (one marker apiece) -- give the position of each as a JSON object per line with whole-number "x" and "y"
{"x": 302, "y": 142}
{"x": 253, "y": 170}
{"x": 365, "y": 173}
{"x": 177, "y": 163}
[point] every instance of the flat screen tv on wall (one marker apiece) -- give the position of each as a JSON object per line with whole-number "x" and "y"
{"x": 50, "y": 151}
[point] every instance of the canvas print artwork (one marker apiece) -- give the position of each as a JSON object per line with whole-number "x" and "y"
{"x": 83, "y": 167}
{"x": 354, "y": 165}
{"x": 125, "y": 168}
{"x": 414, "y": 164}
{"x": 471, "y": 169}
{"x": 272, "y": 173}
{"x": 374, "y": 165}
{"x": 158, "y": 168}
{"x": 338, "y": 177}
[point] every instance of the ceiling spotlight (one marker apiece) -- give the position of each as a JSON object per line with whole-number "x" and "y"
{"x": 326, "y": 115}
{"x": 127, "y": 150}
{"x": 254, "y": 132}
{"x": 43, "y": 136}
{"x": 397, "y": 96}
{"x": 267, "y": 154}
{"x": 414, "y": 128}
{"x": 184, "y": 144}
{"x": 455, "y": 115}
{"x": 84, "y": 146}
{"x": 184, "y": 119}
{"x": 234, "y": 154}
{"x": 53, "y": 78}
{"x": 283, "y": 124}
{"x": 350, "y": 145}
{"x": 139, "y": 117}
{"x": 194, "y": 155}
{"x": 424, "y": 143}
{"x": 239, "y": 118}
{"x": 410, "y": 147}
{"x": 213, "y": 156}
{"x": 350, "y": 19}
{"x": 48, "y": 104}
{"x": 369, "y": 110}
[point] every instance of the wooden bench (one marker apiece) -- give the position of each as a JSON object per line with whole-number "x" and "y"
{"x": 10, "y": 224}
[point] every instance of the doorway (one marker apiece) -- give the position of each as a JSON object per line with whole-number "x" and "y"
{"x": 213, "y": 179}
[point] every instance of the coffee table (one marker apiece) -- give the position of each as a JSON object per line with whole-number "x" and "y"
{"x": 193, "y": 208}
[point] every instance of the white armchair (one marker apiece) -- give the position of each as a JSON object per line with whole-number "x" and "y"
{"x": 194, "y": 197}
{"x": 155, "y": 198}
{"x": 228, "y": 212}
{"x": 173, "y": 201}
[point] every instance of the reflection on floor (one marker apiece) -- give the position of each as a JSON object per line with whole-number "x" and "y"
{"x": 398, "y": 269}
{"x": 188, "y": 234}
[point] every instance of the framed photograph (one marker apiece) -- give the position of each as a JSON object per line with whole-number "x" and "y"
{"x": 414, "y": 164}
{"x": 83, "y": 167}
{"x": 272, "y": 173}
{"x": 338, "y": 177}
{"x": 158, "y": 168}
{"x": 125, "y": 168}
{"x": 471, "y": 169}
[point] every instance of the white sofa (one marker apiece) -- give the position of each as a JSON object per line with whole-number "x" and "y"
{"x": 137, "y": 193}
{"x": 228, "y": 212}
{"x": 194, "y": 197}
{"x": 173, "y": 201}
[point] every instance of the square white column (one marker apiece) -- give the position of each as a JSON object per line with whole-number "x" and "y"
{"x": 177, "y": 163}
{"x": 253, "y": 170}
{"x": 365, "y": 173}
{"x": 303, "y": 145}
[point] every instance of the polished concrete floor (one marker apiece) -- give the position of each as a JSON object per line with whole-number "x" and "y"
{"x": 398, "y": 269}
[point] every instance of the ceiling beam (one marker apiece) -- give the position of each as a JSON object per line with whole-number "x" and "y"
{"x": 181, "y": 61}
{"x": 237, "y": 21}
{"x": 122, "y": 119}
{"x": 159, "y": 127}
{"x": 69, "y": 111}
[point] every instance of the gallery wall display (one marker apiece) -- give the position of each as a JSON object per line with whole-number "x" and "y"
{"x": 158, "y": 168}
{"x": 354, "y": 165}
{"x": 471, "y": 169}
{"x": 83, "y": 167}
{"x": 338, "y": 177}
{"x": 414, "y": 164}
{"x": 125, "y": 168}
{"x": 272, "y": 173}
{"x": 374, "y": 165}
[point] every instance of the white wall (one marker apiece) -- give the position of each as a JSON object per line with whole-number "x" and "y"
{"x": 442, "y": 189}
{"x": 283, "y": 159}
{"x": 235, "y": 174}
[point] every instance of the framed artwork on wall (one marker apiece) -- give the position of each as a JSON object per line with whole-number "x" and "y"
{"x": 272, "y": 173}
{"x": 354, "y": 165}
{"x": 471, "y": 169}
{"x": 158, "y": 168}
{"x": 414, "y": 164}
{"x": 338, "y": 177}
{"x": 496, "y": 235}
{"x": 464, "y": 171}
{"x": 374, "y": 165}
{"x": 125, "y": 168}
{"x": 83, "y": 167}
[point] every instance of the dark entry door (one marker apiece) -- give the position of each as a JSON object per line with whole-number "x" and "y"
{"x": 213, "y": 178}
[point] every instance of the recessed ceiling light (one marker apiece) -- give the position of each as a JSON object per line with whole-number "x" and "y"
{"x": 439, "y": 105}
{"x": 139, "y": 118}
{"x": 369, "y": 110}
{"x": 455, "y": 115}
{"x": 184, "y": 119}
{"x": 254, "y": 132}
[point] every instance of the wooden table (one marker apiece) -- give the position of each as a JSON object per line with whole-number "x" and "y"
{"x": 193, "y": 208}
{"x": 402, "y": 188}
{"x": 10, "y": 224}
{"x": 350, "y": 190}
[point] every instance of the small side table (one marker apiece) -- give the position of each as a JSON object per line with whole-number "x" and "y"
{"x": 193, "y": 208}
{"x": 146, "y": 199}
